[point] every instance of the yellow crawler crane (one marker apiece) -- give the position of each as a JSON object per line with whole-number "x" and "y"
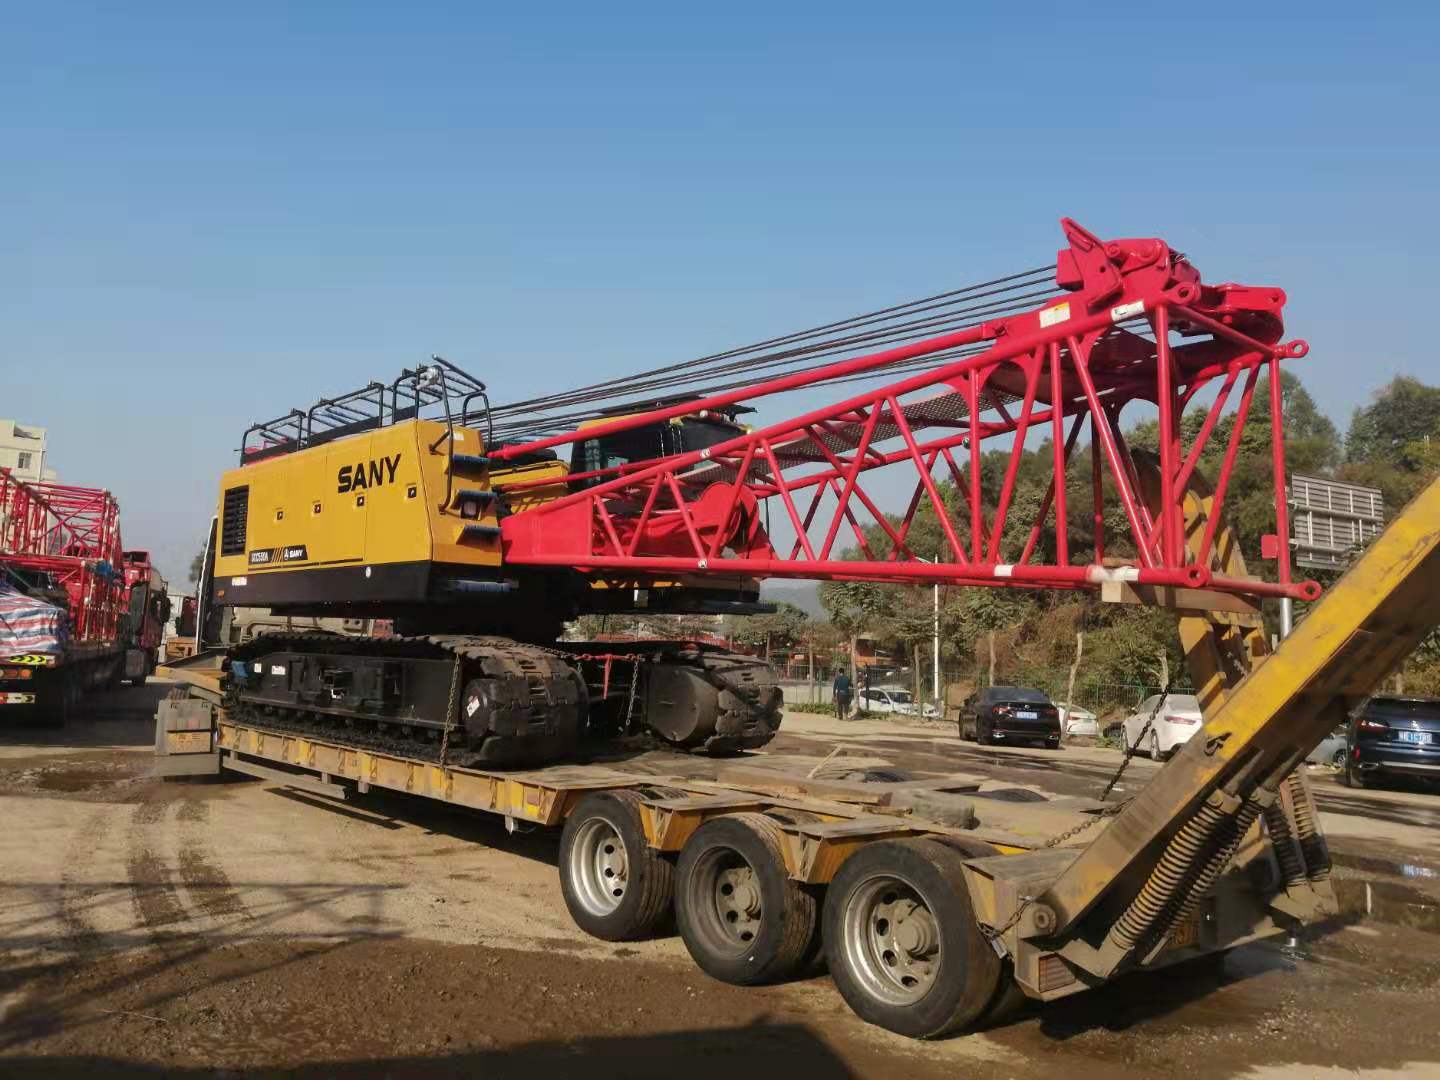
{"x": 360, "y": 508}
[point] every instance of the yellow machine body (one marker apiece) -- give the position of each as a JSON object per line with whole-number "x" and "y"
{"x": 368, "y": 517}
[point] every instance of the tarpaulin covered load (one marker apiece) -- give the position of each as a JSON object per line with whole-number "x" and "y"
{"x": 28, "y": 625}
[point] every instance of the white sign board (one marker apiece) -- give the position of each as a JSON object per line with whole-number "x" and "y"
{"x": 1331, "y": 521}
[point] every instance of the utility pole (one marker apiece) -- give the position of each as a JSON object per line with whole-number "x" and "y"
{"x": 935, "y": 629}
{"x": 935, "y": 638}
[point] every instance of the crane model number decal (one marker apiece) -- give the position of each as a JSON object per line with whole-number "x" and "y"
{"x": 266, "y": 556}
{"x": 365, "y": 474}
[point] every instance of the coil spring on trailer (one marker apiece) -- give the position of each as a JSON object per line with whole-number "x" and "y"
{"x": 1312, "y": 843}
{"x": 1188, "y": 899}
{"x": 1287, "y": 849}
{"x": 1181, "y": 856}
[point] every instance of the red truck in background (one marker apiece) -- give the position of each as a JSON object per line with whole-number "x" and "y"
{"x": 77, "y": 612}
{"x": 147, "y": 605}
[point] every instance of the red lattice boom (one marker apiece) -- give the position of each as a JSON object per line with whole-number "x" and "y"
{"x": 1133, "y": 322}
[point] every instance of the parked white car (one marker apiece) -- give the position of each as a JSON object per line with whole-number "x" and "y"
{"x": 1176, "y": 721}
{"x": 1077, "y": 721}
{"x": 1332, "y": 748}
{"x": 892, "y": 699}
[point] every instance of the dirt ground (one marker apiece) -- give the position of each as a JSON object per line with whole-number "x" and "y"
{"x": 157, "y": 928}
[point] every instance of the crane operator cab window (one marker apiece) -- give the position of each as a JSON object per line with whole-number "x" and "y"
{"x": 642, "y": 444}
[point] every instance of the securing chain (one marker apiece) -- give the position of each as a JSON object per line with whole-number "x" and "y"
{"x": 993, "y": 933}
{"x": 1130, "y": 750}
{"x": 450, "y": 710}
{"x": 630, "y": 703}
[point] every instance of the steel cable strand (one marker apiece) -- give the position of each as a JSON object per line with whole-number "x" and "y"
{"x": 967, "y": 293}
{"x": 786, "y": 361}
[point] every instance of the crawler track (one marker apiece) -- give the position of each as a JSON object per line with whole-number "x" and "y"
{"x": 487, "y": 701}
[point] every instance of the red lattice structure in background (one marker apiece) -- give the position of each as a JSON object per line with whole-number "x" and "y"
{"x": 1133, "y": 322}
{"x": 71, "y": 534}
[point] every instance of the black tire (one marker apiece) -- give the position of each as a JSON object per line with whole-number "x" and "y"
{"x": 982, "y": 736}
{"x": 878, "y": 775}
{"x": 964, "y": 971}
{"x": 1339, "y": 759}
{"x": 648, "y": 878}
{"x": 773, "y": 941}
{"x": 1007, "y": 1004}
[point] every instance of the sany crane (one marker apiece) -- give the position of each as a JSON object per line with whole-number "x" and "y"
{"x": 925, "y": 920}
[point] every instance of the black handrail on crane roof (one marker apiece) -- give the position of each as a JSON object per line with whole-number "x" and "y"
{"x": 411, "y": 394}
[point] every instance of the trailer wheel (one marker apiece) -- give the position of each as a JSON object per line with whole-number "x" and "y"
{"x": 1007, "y": 1003}
{"x": 904, "y": 948}
{"x": 744, "y": 920}
{"x": 616, "y": 886}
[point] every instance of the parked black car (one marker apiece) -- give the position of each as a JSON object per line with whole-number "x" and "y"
{"x": 1393, "y": 736}
{"x": 1010, "y": 714}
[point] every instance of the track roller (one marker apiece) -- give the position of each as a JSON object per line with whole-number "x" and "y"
{"x": 902, "y": 941}
{"x": 743, "y": 918}
{"x": 616, "y": 886}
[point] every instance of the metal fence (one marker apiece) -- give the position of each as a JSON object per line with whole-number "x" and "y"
{"x": 1102, "y": 697}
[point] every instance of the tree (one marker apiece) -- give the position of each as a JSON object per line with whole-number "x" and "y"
{"x": 784, "y": 626}
{"x": 854, "y": 606}
{"x": 1394, "y": 442}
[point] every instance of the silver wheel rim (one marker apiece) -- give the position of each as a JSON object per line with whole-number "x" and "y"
{"x": 728, "y": 911}
{"x": 599, "y": 867}
{"x": 891, "y": 940}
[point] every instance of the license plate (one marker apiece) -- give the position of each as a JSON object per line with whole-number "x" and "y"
{"x": 187, "y": 742}
{"x": 1186, "y": 934}
{"x": 1421, "y": 737}
{"x": 1027, "y": 716}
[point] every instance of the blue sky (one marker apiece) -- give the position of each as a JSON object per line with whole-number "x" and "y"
{"x": 210, "y": 214}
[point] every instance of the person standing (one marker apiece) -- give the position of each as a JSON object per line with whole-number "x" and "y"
{"x": 843, "y": 692}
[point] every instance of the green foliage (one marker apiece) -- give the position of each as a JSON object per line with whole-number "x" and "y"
{"x": 786, "y": 626}
{"x": 820, "y": 708}
{"x": 1394, "y": 442}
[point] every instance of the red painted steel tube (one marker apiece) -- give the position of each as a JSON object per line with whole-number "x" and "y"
{"x": 852, "y": 474}
{"x": 1108, "y": 443}
{"x": 1062, "y": 458}
{"x": 1097, "y": 486}
{"x": 1012, "y": 468}
{"x": 742, "y": 474}
{"x": 859, "y": 491}
{"x": 1217, "y": 500}
{"x": 928, "y": 481}
{"x": 1192, "y": 577}
{"x": 1165, "y": 393}
{"x": 1055, "y": 491}
{"x": 786, "y": 499}
{"x": 1277, "y": 465}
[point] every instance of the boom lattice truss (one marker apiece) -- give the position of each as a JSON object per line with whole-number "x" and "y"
{"x": 1132, "y": 322}
{"x": 71, "y": 535}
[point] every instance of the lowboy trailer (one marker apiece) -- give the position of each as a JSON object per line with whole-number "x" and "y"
{"x": 936, "y": 903}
